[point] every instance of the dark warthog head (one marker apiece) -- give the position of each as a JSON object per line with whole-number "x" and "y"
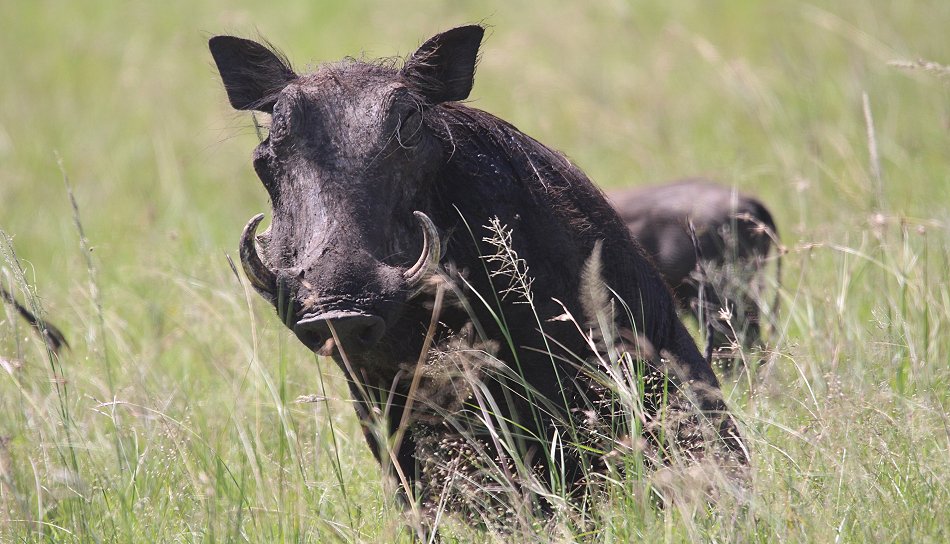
{"x": 348, "y": 163}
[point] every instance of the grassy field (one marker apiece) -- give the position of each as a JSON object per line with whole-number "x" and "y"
{"x": 173, "y": 417}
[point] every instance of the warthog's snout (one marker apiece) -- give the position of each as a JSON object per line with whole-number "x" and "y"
{"x": 350, "y": 331}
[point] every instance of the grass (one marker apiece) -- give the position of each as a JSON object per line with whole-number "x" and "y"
{"x": 174, "y": 415}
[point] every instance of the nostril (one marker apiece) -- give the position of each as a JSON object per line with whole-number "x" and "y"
{"x": 372, "y": 332}
{"x": 312, "y": 332}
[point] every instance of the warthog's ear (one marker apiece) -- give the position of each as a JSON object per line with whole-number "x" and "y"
{"x": 252, "y": 73}
{"x": 443, "y": 68}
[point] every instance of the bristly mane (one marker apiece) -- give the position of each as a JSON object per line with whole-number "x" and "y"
{"x": 481, "y": 138}
{"x": 505, "y": 161}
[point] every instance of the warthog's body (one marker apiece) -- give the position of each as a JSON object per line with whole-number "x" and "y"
{"x": 51, "y": 335}
{"x": 734, "y": 233}
{"x": 358, "y": 156}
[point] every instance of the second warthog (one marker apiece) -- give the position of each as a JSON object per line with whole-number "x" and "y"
{"x": 720, "y": 263}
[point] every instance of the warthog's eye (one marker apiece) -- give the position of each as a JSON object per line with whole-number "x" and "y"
{"x": 278, "y": 130}
{"x": 279, "y": 127}
{"x": 410, "y": 128}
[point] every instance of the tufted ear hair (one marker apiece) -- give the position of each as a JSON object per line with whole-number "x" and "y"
{"x": 443, "y": 68}
{"x": 252, "y": 73}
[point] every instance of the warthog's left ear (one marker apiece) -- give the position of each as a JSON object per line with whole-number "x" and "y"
{"x": 443, "y": 68}
{"x": 252, "y": 73}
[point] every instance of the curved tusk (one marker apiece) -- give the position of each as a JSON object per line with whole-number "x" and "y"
{"x": 262, "y": 278}
{"x": 431, "y": 251}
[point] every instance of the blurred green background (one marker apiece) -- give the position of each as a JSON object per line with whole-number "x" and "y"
{"x": 766, "y": 96}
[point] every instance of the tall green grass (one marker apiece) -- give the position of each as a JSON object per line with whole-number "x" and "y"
{"x": 175, "y": 415}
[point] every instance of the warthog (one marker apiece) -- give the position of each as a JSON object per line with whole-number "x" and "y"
{"x": 51, "y": 335}
{"x": 380, "y": 184}
{"x": 733, "y": 234}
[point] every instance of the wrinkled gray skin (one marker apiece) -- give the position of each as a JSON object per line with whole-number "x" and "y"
{"x": 735, "y": 233}
{"x": 371, "y": 170}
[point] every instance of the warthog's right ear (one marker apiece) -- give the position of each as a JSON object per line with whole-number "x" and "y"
{"x": 252, "y": 73}
{"x": 443, "y": 68}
